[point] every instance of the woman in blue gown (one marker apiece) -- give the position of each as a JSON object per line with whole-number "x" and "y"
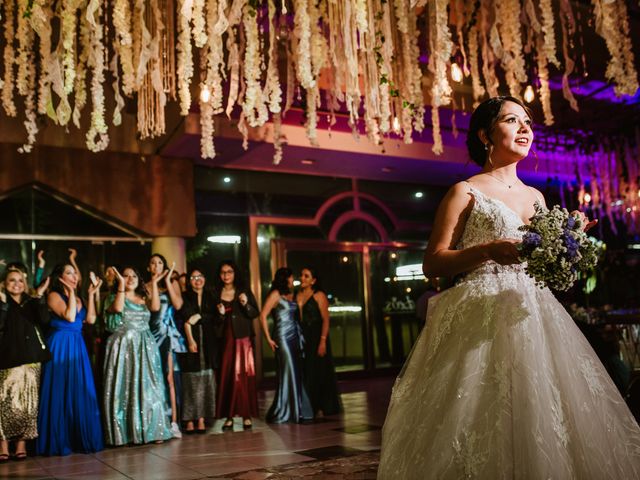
{"x": 69, "y": 418}
{"x": 291, "y": 402}
{"x": 169, "y": 339}
{"x": 135, "y": 407}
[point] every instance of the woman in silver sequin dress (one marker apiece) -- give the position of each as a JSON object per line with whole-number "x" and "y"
{"x": 23, "y": 349}
{"x": 135, "y": 408}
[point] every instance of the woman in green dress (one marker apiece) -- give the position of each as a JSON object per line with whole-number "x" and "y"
{"x": 135, "y": 408}
{"x": 318, "y": 371}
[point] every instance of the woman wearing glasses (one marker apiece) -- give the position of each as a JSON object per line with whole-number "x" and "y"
{"x": 198, "y": 364}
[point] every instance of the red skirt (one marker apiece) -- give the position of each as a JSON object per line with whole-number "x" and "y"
{"x": 237, "y": 395}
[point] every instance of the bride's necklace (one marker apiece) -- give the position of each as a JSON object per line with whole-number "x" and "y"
{"x": 509, "y": 185}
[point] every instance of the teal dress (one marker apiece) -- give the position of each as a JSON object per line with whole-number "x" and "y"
{"x": 135, "y": 408}
{"x": 291, "y": 402}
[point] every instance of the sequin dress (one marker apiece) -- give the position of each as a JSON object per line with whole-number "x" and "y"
{"x": 69, "y": 417}
{"x": 135, "y": 407}
{"x": 501, "y": 384}
{"x": 291, "y": 402}
{"x": 170, "y": 342}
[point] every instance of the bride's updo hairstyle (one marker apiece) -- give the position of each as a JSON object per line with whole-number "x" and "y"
{"x": 485, "y": 117}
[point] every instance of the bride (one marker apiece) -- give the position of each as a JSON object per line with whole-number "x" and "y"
{"x": 501, "y": 384}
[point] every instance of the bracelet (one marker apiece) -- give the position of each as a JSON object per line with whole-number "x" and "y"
{"x": 120, "y": 291}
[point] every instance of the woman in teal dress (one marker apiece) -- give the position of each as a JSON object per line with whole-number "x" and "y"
{"x": 291, "y": 402}
{"x": 318, "y": 371}
{"x": 135, "y": 408}
{"x": 169, "y": 339}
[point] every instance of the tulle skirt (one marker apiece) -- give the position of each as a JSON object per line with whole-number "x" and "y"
{"x": 501, "y": 384}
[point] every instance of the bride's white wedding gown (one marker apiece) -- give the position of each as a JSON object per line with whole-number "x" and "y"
{"x": 502, "y": 385}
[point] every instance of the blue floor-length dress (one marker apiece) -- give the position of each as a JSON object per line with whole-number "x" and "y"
{"x": 291, "y": 402}
{"x": 69, "y": 417}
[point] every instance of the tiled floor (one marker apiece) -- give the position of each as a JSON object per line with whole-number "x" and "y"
{"x": 357, "y": 430}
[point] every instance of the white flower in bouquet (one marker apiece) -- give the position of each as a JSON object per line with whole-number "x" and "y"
{"x": 556, "y": 248}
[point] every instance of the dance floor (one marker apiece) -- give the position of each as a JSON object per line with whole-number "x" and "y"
{"x": 343, "y": 446}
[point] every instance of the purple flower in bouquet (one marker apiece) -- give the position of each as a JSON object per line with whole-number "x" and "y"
{"x": 571, "y": 244}
{"x": 531, "y": 240}
{"x": 571, "y": 222}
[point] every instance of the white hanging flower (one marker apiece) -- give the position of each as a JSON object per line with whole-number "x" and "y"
{"x": 273, "y": 90}
{"x": 509, "y": 28}
{"x": 9, "y": 61}
{"x": 124, "y": 44}
{"x": 185, "y": 57}
{"x": 254, "y": 107}
{"x": 302, "y": 31}
{"x": 97, "y": 137}
{"x": 199, "y": 24}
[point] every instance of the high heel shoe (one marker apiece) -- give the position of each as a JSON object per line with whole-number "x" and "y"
{"x": 227, "y": 426}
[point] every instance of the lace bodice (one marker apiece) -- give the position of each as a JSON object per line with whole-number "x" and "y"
{"x": 490, "y": 219}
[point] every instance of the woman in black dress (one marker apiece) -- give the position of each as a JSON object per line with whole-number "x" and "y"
{"x": 22, "y": 349}
{"x": 319, "y": 372}
{"x": 199, "y": 363}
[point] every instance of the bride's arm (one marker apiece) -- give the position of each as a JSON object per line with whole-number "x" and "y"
{"x": 441, "y": 258}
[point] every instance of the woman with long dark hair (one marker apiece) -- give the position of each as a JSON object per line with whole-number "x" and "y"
{"x": 291, "y": 402}
{"x": 199, "y": 363}
{"x": 135, "y": 407}
{"x": 236, "y": 309}
{"x": 69, "y": 418}
{"x": 22, "y": 350}
{"x": 319, "y": 373}
{"x": 501, "y": 383}
{"x": 169, "y": 339}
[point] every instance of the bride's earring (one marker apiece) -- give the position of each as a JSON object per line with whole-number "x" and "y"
{"x": 489, "y": 149}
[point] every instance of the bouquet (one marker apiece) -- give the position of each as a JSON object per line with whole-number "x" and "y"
{"x": 556, "y": 248}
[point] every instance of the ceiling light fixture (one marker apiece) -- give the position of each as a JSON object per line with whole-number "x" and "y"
{"x": 529, "y": 95}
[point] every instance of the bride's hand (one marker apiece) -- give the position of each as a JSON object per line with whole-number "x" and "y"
{"x": 504, "y": 252}
{"x": 584, "y": 220}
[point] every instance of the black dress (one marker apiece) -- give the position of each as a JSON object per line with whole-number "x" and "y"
{"x": 318, "y": 373}
{"x": 198, "y": 379}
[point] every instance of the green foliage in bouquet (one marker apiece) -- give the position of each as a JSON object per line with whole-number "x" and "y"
{"x": 556, "y": 248}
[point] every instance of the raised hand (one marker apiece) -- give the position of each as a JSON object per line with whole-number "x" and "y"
{"x": 156, "y": 277}
{"x": 73, "y": 253}
{"x": 41, "y": 260}
{"x": 119, "y": 277}
{"x": 94, "y": 287}
{"x": 42, "y": 288}
{"x": 170, "y": 273}
{"x": 69, "y": 289}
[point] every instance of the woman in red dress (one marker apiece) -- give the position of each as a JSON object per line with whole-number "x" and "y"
{"x": 237, "y": 308}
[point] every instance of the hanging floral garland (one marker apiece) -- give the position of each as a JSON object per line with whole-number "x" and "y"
{"x": 362, "y": 56}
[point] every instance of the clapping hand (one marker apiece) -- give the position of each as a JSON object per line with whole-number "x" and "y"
{"x": 167, "y": 278}
{"x": 95, "y": 284}
{"x": 156, "y": 277}
{"x": 119, "y": 277}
